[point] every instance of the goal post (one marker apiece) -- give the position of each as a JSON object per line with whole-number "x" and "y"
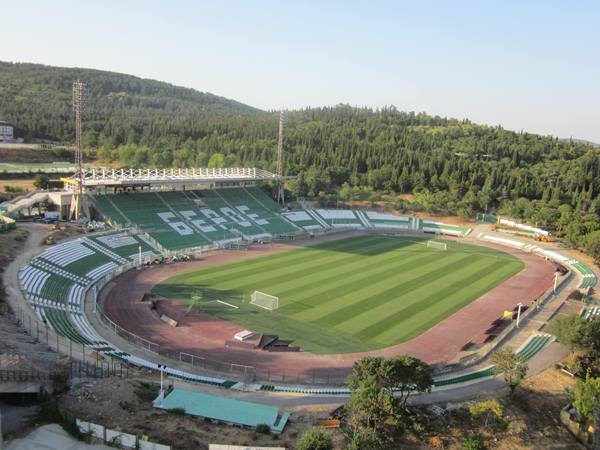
{"x": 265, "y": 301}
{"x": 437, "y": 245}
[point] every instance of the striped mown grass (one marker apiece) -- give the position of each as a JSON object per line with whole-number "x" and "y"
{"x": 348, "y": 295}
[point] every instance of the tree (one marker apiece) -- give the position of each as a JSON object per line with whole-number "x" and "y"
{"x": 586, "y": 397}
{"x": 41, "y": 181}
{"x": 314, "y": 439}
{"x": 568, "y": 331}
{"x": 216, "y": 161}
{"x": 581, "y": 336}
{"x": 373, "y": 404}
{"x": 592, "y": 246}
{"x": 513, "y": 366}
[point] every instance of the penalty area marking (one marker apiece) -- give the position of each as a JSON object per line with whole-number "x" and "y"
{"x": 225, "y": 303}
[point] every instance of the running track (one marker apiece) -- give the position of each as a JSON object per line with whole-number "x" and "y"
{"x": 205, "y": 336}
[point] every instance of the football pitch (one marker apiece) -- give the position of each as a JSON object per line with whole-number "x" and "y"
{"x": 348, "y": 295}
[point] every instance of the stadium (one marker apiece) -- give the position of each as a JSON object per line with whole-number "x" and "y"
{"x": 202, "y": 271}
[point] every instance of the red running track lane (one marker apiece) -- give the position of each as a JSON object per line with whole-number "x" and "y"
{"x": 204, "y": 335}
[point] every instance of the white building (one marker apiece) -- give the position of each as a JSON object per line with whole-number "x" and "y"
{"x": 6, "y": 132}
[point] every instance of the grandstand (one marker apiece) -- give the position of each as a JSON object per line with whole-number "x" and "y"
{"x": 591, "y": 313}
{"x": 324, "y": 219}
{"x": 588, "y": 278}
{"x": 55, "y": 281}
{"x": 181, "y": 219}
{"x": 340, "y": 218}
{"x": 210, "y": 218}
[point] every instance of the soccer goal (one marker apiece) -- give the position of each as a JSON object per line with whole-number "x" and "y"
{"x": 265, "y": 301}
{"x": 437, "y": 245}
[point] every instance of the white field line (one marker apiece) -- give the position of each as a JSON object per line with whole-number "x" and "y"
{"x": 228, "y": 304}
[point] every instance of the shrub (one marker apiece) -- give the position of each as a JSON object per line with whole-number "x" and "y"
{"x": 13, "y": 189}
{"x": 489, "y": 412}
{"x": 41, "y": 181}
{"x": 474, "y": 442}
{"x": 586, "y": 397}
{"x": 60, "y": 378}
{"x": 263, "y": 428}
{"x": 146, "y": 392}
{"x": 314, "y": 439}
{"x": 177, "y": 411}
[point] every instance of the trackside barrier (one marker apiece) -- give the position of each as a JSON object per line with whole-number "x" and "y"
{"x": 486, "y": 349}
{"x": 82, "y": 361}
{"x": 317, "y": 377}
{"x": 238, "y": 372}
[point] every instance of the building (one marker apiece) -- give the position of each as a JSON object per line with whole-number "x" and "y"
{"x": 6, "y": 132}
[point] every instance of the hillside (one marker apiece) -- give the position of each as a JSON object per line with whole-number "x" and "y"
{"x": 119, "y": 108}
{"x": 450, "y": 165}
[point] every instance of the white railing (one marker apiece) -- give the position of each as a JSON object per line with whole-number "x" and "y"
{"x": 104, "y": 176}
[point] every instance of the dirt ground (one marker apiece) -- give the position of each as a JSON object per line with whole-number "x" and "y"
{"x": 10, "y": 243}
{"x": 532, "y": 416}
{"x": 18, "y": 350}
{"x": 115, "y": 404}
{"x": 25, "y": 184}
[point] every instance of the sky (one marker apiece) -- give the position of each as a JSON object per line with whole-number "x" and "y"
{"x": 524, "y": 65}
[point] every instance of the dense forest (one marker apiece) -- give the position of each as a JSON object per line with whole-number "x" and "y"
{"x": 340, "y": 152}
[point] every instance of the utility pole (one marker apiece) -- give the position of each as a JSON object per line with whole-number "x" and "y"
{"x": 520, "y": 305}
{"x": 279, "y": 172}
{"x": 77, "y": 201}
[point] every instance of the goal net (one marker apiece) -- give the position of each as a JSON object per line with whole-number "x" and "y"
{"x": 437, "y": 245}
{"x": 265, "y": 301}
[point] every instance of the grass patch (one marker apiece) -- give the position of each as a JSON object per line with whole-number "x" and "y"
{"x": 348, "y": 295}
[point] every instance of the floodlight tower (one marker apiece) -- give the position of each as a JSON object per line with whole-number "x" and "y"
{"x": 77, "y": 204}
{"x": 279, "y": 172}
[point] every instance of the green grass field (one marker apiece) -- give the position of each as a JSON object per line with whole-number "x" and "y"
{"x": 348, "y": 295}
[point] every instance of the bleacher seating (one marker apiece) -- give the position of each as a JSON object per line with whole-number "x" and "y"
{"x": 588, "y": 277}
{"x": 534, "y": 345}
{"x": 258, "y": 207}
{"x": 443, "y": 228}
{"x": 381, "y": 220}
{"x": 55, "y": 281}
{"x": 150, "y": 212}
{"x": 304, "y": 220}
{"x": 109, "y": 210}
{"x": 188, "y": 219}
{"x": 591, "y": 313}
{"x": 185, "y": 219}
{"x": 218, "y": 211}
{"x": 339, "y": 218}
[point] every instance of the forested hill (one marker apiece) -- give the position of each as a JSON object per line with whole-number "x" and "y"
{"x": 450, "y": 165}
{"x": 120, "y": 108}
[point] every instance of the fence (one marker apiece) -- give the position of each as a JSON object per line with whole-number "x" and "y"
{"x": 83, "y": 362}
{"x": 235, "y": 371}
{"x": 101, "y": 433}
{"x": 486, "y": 349}
{"x": 329, "y": 377}
{"x": 93, "y": 363}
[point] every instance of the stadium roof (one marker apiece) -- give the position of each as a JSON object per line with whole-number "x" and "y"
{"x": 224, "y": 409}
{"x": 131, "y": 177}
